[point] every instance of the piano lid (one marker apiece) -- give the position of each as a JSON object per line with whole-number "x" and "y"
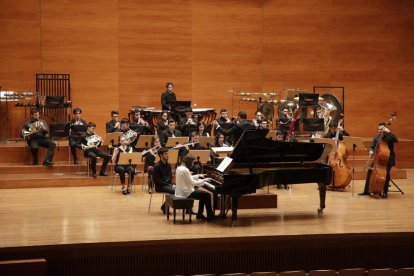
{"x": 254, "y": 147}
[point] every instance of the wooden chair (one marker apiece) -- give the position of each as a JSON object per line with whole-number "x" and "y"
{"x": 329, "y": 272}
{"x": 204, "y": 275}
{"x": 292, "y": 273}
{"x": 263, "y": 274}
{"x": 352, "y": 272}
{"x": 409, "y": 271}
{"x": 381, "y": 272}
{"x": 163, "y": 196}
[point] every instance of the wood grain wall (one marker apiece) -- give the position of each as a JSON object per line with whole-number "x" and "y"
{"x": 122, "y": 52}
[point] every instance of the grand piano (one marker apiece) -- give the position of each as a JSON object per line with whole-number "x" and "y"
{"x": 259, "y": 162}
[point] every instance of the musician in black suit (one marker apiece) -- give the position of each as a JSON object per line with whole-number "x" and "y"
{"x": 239, "y": 127}
{"x": 170, "y": 132}
{"x": 35, "y": 130}
{"x": 123, "y": 169}
{"x": 74, "y": 133}
{"x": 139, "y": 125}
{"x": 168, "y": 96}
{"x": 163, "y": 175}
{"x": 283, "y": 122}
{"x": 113, "y": 125}
{"x": 91, "y": 149}
{"x": 188, "y": 123}
{"x": 390, "y": 139}
{"x": 223, "y": 117}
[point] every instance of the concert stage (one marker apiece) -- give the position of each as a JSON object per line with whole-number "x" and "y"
{"x": 98, "y": 231}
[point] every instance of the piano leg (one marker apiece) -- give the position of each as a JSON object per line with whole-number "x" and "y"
{"x": 234, "y": 207}
{"x": 322, "y": 197}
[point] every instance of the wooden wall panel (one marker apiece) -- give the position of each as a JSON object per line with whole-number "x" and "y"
{"x": 121, "y": 52}
{"x": 227, "y": 52}
{"x": 356, "y": 44}
{"x": 81, "y": 38}
{"x": 19, "y": 56}
{"x": 154, "y": 48}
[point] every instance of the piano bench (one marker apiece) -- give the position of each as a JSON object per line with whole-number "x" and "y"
{"x": 178, "y": 203}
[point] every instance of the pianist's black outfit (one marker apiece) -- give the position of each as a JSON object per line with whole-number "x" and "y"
{"x": 167, "y": 134}
{"x": 75, "y": 137}
{"x": 163, "y": 179}
{"x": 166, "y": 99}
{"x": 39, "y": 139}
{"x": 390, "y": 139}
{"x": 93, "y": 154}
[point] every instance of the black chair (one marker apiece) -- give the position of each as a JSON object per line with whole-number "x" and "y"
{"x": 58, "y": 131}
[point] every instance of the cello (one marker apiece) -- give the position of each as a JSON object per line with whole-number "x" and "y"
{"x": 337, "y": 160}
{"x": 379, "y": 161}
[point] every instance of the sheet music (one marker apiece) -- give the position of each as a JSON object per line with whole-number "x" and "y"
{"x": 224, "y": 164}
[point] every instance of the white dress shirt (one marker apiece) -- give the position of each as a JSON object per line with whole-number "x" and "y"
{"x": 185, "y": 182}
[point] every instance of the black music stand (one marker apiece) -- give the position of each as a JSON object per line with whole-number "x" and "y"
{"x": 308, "y": 99}
{"x": 58, "y": 131}
{"x": 54, "y": 102}
{"x": 313, "y": 124}
{"x": 78, "y": 130}
{"x": 396, "y": 186}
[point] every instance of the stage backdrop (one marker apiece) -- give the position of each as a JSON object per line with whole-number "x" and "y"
{"x": 121, "y": 53}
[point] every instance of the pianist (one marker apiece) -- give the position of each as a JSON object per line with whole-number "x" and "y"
{"x": 185, "y": 183}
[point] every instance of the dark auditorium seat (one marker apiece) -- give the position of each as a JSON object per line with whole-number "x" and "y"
{"x": 352, "y": 272}
{"x": 381, "y": 272}
{"x": 409, "y": 271}
{"x": 329, "y": 272}
{"x": 292, "y": 273}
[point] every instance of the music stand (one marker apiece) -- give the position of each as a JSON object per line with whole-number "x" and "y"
{"x": 206, "y": 141}
{"x": 326, "y": 141}
{"x": 111, "y": 139}
{"x": 58, "y": 131}
{"x": 54, "y": 102}
{"x": 203, "y": 156}
{"x": 144, "y": 141}
{"x": 129, "y": 159}
{"x": 308, "y": 99}
{"x": 173, "y": 141}
{"x": 172, "y": 156}
{"x": 78, "y": 130}
{"x": 354, "y": 143}
{"x": 179, "y": 107}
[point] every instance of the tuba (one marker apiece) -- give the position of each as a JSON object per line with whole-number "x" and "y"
{"x": 325, "y": 113}
{"x": 92, "y": 141}
{"x": 130, "y": 136}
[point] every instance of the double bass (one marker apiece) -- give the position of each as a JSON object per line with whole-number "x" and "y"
{"x": 342, "y": 175}
{"x": 379, "y": 161}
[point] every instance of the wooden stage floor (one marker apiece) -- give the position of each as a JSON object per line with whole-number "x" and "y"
{"x": 77, "y": 215}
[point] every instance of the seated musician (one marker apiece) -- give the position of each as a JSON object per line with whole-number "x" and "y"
{"x": 168, "y": 96}
{"x": 259, "y": 119}
{"x": 333, "y": 127}
{"x": 123, "y": 169}
{"x": 129, "y": 134}
{"x": 202, "y": 129}
{"x": 150, "y": 155}
{"x": 90, "y": 143}
{"x": 219, "y": 141}
{"x": 241, "y": 125}
{"x": 170, "y": 132}
{"x": 194, "y": 145}
{"x": 74, "y": 135}
{"x": 185, "y": 183}
{"x": 35, "y": 132}
{"x": 390, "y": 139}
{"x": 138, "y": 124}
{"x": 223, "y": 117}
{"x": 188, "y": 124}
{"x": 113, "y": 125}
{"x": 163, "y": 175}
{"x": 162, "y": 123}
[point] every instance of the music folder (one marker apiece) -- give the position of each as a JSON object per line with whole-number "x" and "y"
{"x": 144, "y": 141}
{"x": 173, "y": 141}
{"x": 111, "y": 139}
{"x": 351, "y": 141}
{"x": 129, "y": 159}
